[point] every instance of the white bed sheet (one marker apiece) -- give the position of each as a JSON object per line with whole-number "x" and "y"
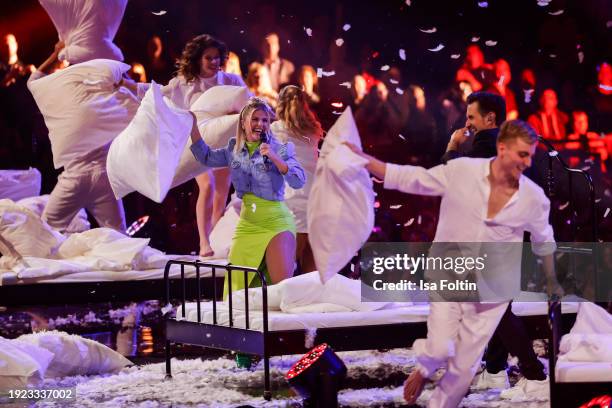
{"x": 10, "y": 277}
{"x": 278, "y": 320}
{"x": 572, "y": 371}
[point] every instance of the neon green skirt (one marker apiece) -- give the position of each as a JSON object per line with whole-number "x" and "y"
{"x": 260, "y": 221}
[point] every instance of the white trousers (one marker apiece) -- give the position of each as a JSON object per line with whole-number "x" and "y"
{"x": 457, "y": 334}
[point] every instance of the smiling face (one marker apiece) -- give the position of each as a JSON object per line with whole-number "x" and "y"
{"x": 515, "y": 156}
{"x": 210, "y": 63}
{"x": 257, "y": 123}
{"x": 475, "y": 121}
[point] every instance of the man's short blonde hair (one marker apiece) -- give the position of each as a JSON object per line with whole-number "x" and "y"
{"x": 516, "y": 129}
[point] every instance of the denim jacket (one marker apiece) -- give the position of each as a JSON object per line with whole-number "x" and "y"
{"x": 252, "y": 174}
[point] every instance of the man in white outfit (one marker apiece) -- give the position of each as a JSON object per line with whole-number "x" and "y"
{"x": 483, "y": 200}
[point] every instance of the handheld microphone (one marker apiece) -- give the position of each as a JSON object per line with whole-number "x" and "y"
{"x": 265, "y": 138}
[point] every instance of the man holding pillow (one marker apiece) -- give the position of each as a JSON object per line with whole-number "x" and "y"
{"x": 84, "y": 182}
{"x": 478, "y": 196}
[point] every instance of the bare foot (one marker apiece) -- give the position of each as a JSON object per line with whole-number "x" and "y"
{"x": 413, "y": 386}
{"x": 206, "y": 251}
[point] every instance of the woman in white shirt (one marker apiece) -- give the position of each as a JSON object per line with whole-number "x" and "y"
{"x": 199, "y": 69}
{"x": 298, "y": 124}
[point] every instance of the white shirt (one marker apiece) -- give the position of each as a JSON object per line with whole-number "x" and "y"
{"x": 183, "y": 94}
{"x": 464, "y": 187}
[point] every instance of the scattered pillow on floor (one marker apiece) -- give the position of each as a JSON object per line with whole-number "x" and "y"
{"x": 75, "y": 355}
{"x": 341, "y": 193}
{"x": 37, "y": 204}
{"x": 19, "y": 184}
{"x": 18, "y": 227}
{"x": 220, "y": 100}
{"x": 21, "y": 364}
{"x": 145, "y": 155}
{"x": 82, "y": 107}
{"x": 87, "y": 27}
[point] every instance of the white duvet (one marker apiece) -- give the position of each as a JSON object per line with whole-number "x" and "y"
{"x": 590, "y": 340}
{"x": 99, "y": 249}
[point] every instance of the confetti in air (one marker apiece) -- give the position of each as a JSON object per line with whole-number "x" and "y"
{"x": 483, "y": 4}
{"x": 339, "y": 42}
{"x": 555, "y": 13}
{"x": 552, "y": 55}
{"x": 346, "y": 84}
{"x": 528, "y": 93}
{"x": 337, "y": 104}
{"x": 408, "y": 3}
{"x": 580, "y": 57}
{"x": 456, "y": 56}
{"x": 385, "y": 68}
{"x": 409, "y": 223}
{"x": 337, "y": 113}
{"x": 308, "y": 31}
{"x": 253, "y": 207}
{"x": 563, "y": 206}
{"x": 605, "y": 87}
{"x": 395, "y": 207}
{"x": 543, "y": 3}
{"x": 428, "y": 30}
{"x": 500, "y": 83}
{"x": 402, "y": 54}
{"x": 393, "y": 81}
{"x": 159, "y": 13}
{"x": 241, "y": 31}
{"x": 399, "y": 91}
{"x": 346, "y": 27}
{"x": 401, "y": 136}
{"x": 475, "y": 39}
{"x": 607, "y": 212}
{"x": 419, "y": 220}
{"x": 438, "y": 48}
{"x": 490, "y": 43}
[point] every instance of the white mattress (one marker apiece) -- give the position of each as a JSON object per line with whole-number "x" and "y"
{"x": 10, "y": 277}
{"x": 571, "y": 371}
{"x": 278, "y": 320}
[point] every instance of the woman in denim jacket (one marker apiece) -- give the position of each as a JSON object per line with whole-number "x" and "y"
{"x": 260, "y": 165}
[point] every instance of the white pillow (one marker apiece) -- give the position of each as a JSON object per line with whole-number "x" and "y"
{"x": 82, "y": 108}
{"x": 341, "y": 193}
{"x": 592, "y": 318}
{"x": 37, "y": 205}
{"x": 87, "y": 27}
{"x": 145, "y": 155}
{"x": 220, "y": 100}
{"x": 221, "y": 236}
{"x": 216, "y": 132}
{"x": 26, "y": 232}
{"x": 18, "y": 184}
{"x": 21, "y": 364}
{"x": 75, "y": 355}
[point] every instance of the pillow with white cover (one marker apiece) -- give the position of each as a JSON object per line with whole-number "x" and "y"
{"x": 75, "y": 355}
{"x": 341, "y": 193}
{"x": 87, "y": 27}
{"x": 21, "y": 364}
{"x": 18, "y": 226}
{"x": 145, "y": 155}
{"x": 82, "y": 107}
{"x": 220, "y": 100}
{"x": 216, "y": 132}
{"x": 18, "y": 184}
{"x": 221, "y": 236}
{"x": 37, "y": 204}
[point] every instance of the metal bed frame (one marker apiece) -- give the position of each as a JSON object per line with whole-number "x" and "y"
{"x": 29, "y": 294}
{"x": 569, "y": 393}
{"x": 267, "y": 343}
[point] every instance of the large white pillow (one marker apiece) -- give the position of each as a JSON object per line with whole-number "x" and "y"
{"x": 18, "y": 184}
{"x": 75, "y": 355}
{"x": 82, "y": 107}
{"x": 221, "y": 236}
{"x": 87, "y": 27}
{"x": 21, "y": 364}
{"x": 37, "y": 204}
{"x": 341, "y": 193}
{"x": 220, "y": 100}
{"x": 145, "y": 155}
{"x": 216, "y": 132}
{"x": 26, "y": 232}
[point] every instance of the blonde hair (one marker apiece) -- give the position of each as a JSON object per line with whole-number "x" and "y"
{"x": 516, "y": 129}
{"x": 252, "y": 105}
{"x": 293, "y": 110}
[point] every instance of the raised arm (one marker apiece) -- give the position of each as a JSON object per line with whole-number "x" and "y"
{"x": 204, "y": 154}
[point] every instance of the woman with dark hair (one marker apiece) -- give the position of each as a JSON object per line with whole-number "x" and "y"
{"x": 199, "y": 69}
{"x": 298, "y": 124}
